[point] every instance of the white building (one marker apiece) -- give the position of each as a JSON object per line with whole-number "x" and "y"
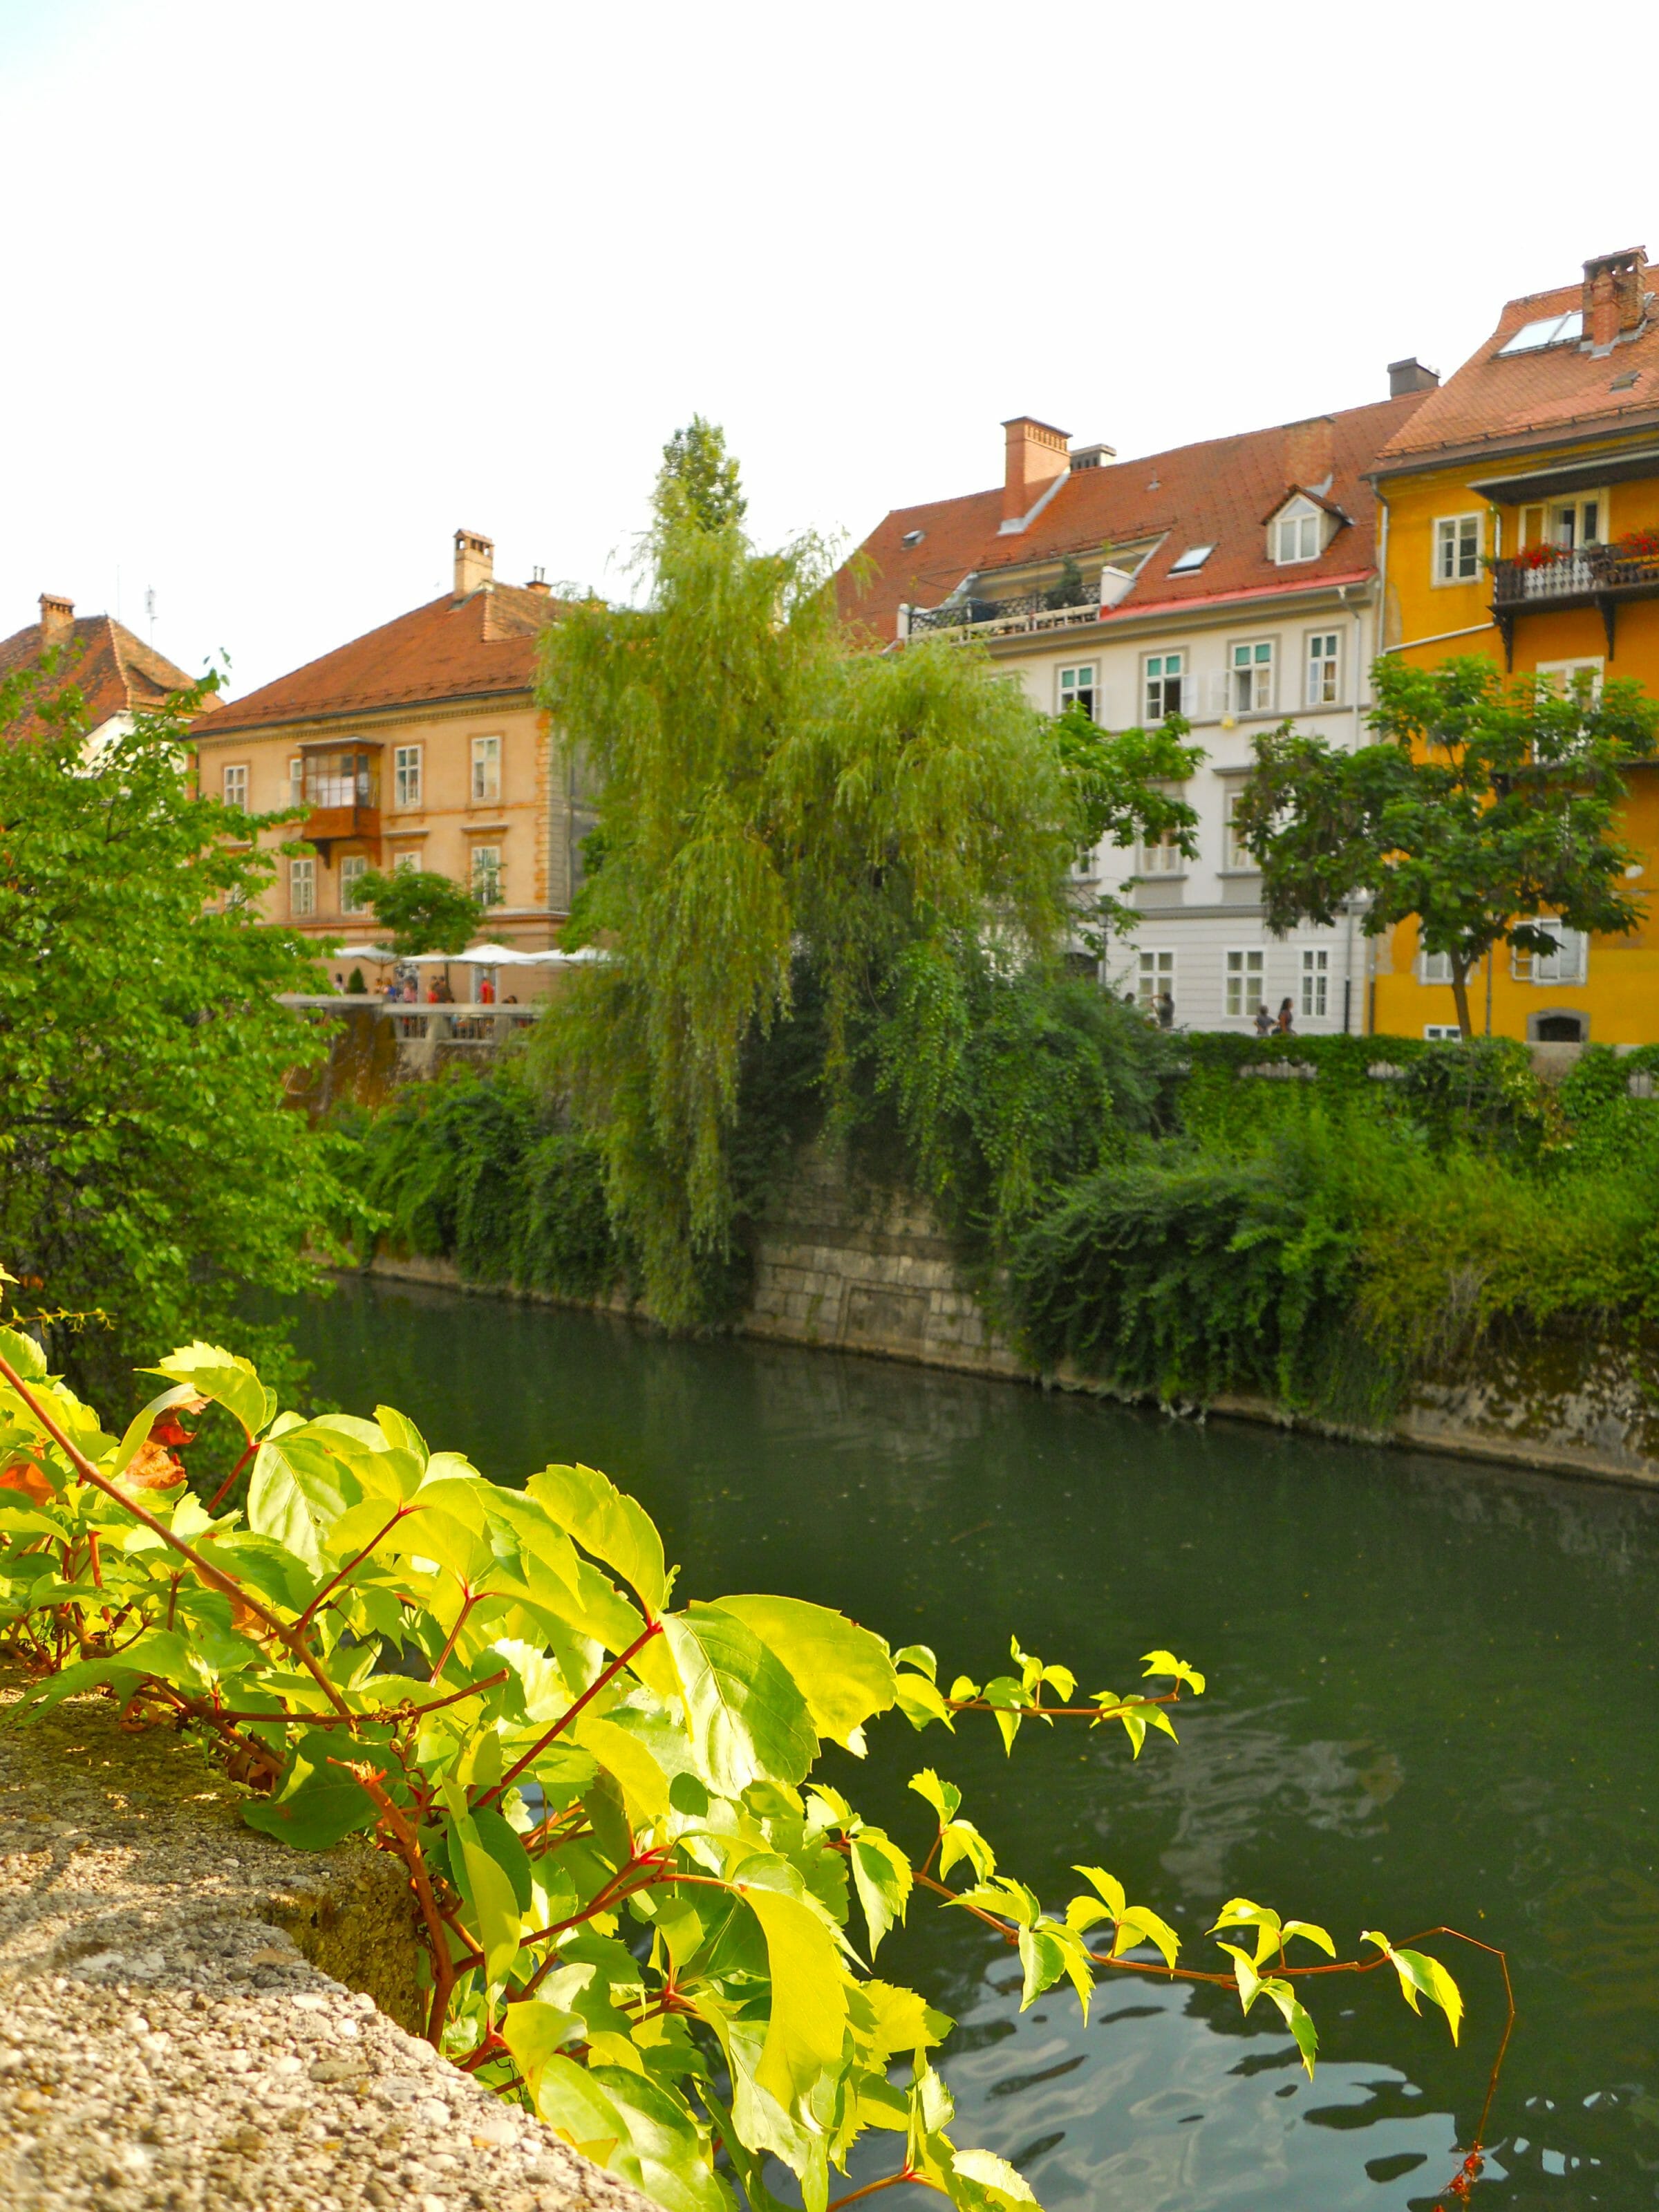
{"x": 1234, "y": 582}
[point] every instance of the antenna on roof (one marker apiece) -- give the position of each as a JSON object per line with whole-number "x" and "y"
{"x": 150, "y": 609}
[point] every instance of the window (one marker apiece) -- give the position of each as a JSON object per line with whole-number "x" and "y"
{"x": 302, "y": 889}
{"x": 236, "y": 787}
{"x": 487, "y": 874}
{"x": 406, "y": 862}
{"x": 1566, "y": 676}
{"x": 1442, "y": 1033}
{"x": 353, "y": 868}
{"x": 1245, "y": 983}
{"x": 1076, "y": 689}
{"x": 1252, "y": 687}
{"x": 296, "y": 781}
{"x": 1316, "y": 982}
{"x": 1154, "y": 976}
{"x": 1164, "y": 857}
{"x": 486, "y": 768}
{"x": 1165, "y": 677}
{"x": 1568, "y": 964}
{"x": 1549, "y": 329}
{"x": 1324, "y": 684}
{"x": 406, "y": 775}
{"x": 1434, "y": 967}
{"x": 1191, "y": 561}
{"x": 1568, "y": 523}
{"x": 1238, "y": 854}
{"x": 1457, "y": 549}
{"x": 1297, "y": 532}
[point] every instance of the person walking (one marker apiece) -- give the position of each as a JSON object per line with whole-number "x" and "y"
{"x": 1166, "y": 1010}
{"x": 1284, "y": 1024}
{"x": 1264, "y": 1022}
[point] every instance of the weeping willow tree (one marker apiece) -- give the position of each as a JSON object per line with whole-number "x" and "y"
{"x": 770, "y": 800}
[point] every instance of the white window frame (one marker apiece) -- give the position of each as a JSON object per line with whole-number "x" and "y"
{"x": 1158, "y": 671}
{"x": 1442, "y": 1033}
{"x": 1592, "y": 666}
{"x": 354, "y": 866}
{"x": 1434, "y": 968}
{"x": 1252, "y": 666}
{"x": 1580, "y": 520}
{"x": 486, "y": 784}
{"x": 296, "y": 780}
{"x": 1163, "y": 857}
{"x": 487, "y": 874}
{"x": 1237, "y": 858}
{"x": 1315, "y": 970}
{"x": 302, "y": 888}
{"x": 407, "y": 769}
{"x": 407, "y": 862}
{"x": 1244, "y": 982}
{"x": 1076, "y": 685}
{"x": 1568, "y": 966}
{"x": 1155, "y": 973}
{"x": 1295, "y": 533}
{"x": 1321, "y": 661}
{"x": 1458, "y": 537}
{"x": 235, "y": 779}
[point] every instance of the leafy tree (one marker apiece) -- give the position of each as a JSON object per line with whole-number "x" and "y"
{"x": 420, "y": 911}
{"x": 645, "y": 1912}
{"x": 149, "y": 1167}
{"x": 1125, "y": 788}
{"x": 1483, "y": 804}
{"x": 698, "y": 479}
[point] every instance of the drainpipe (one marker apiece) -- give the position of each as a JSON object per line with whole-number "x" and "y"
{"x": 1359, "y": 667}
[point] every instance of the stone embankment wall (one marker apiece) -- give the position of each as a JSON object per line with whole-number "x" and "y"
{"x": 843, "y": 1267}
{"x": 194, "y": 2017}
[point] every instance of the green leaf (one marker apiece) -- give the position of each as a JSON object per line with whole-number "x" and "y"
{"x": 808, "y": 2015}
{"x": 1139, "y": 1923}
{"x": 984, "y": 2180}
{"x": 920, "y": 1702}
{"x": 1295, "y": 2019}
{"x": 1165, "y": 1663}
{"x": 843, "y": 1672}
{"x": 488, "y": 1889}
{"x": 229, "y": 1380}
{"x": 24, "y": 1354}
{"x": 748, "y": 1722}
{"x": 921, "y": 1656}
{"x": 533, "y": 2030}
{"x": 610, "y": 1524}
{"x": 883, "y": 1877}
{"x": 299, "y": 1489}
{"x": 961, "y": 1839}
{"x": 944, "y": 1796}
{"x": 1108, "y": 1885}
{"x": 316, "y": 1804}
{"x": 1422, "y": 1976}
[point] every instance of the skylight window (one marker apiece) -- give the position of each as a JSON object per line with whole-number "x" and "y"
{"x": 1191, "y": 561}
{"x": 913, "y": 537}
{"x": 1548, "y": 330}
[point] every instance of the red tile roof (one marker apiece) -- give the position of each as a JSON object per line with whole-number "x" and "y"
{"x": 474, "y": 648}
{"x": 1532, "y": 396}
{"x": 1212, "y": 494}
{"x": 116, "y": 672}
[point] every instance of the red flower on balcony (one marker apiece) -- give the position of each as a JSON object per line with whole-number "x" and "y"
{"x": 1542, "y": 557}
{"x": 1636, "y": 545}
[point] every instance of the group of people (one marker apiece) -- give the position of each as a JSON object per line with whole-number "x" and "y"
{"x": 1162, "y": 1011}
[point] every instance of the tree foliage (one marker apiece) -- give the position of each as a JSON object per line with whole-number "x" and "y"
{"x": 1483, "y": 805}
{"x": 698, "y": 481}
{"x": 418, "y": 910}
{"x": 150, "y": 1168}
{"x": 645, "y": 1913}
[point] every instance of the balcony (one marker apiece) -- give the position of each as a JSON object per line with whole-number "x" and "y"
{"x": 1599, "y": 576}
{"x": 1034, "y": 610}
{"x": 340, "y": 790}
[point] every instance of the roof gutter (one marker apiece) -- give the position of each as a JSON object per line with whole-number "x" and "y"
{"x": 359, "y": 714}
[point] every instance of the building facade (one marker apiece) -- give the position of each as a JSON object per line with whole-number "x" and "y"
{"x": 117, "y": 674}
{"x": 419, "y": 745}
{"x": 1521, "y": 520}
{"x": 1233, "y": 582}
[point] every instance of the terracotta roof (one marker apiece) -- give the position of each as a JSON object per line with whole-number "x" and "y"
{"x": 116, "y": 672}
{"x": 1559, "y": 389}
{"x": 1212, "y": 494}
{"x": 451, "y": 648}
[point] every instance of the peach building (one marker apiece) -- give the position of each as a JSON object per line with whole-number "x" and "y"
{"x": 419, "y": 745}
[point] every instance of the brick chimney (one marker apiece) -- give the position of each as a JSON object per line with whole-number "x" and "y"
{"x": 1615, "y": 293}
{"x": 539, "y": 584}
{"x": 1410, "y": 375}
{"x": 56, "y": 620}
{"x": 475, "y": 562}
{"x": 1310, "y": 453}
{"x": 1037, "y": 453}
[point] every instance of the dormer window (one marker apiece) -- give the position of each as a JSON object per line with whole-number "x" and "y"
{"x": 1297, "y": 532}
{"x": 913, "y": 537}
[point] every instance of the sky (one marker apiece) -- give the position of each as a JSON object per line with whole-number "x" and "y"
{"x": 295, "y": 291}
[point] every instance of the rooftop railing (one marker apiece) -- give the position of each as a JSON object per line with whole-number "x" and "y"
{"x": 1033, "y": 611}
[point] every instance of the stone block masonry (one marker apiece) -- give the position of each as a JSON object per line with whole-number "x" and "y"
{"x": 194, "y": 2018}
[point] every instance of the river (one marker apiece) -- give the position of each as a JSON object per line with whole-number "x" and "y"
{"x": 1431, "y": 1699}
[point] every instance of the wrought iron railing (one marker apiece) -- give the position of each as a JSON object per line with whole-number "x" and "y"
{"x": 1031, "y": 611}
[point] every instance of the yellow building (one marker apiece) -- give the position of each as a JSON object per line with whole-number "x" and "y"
{"x": 420, "y": 745}
{"x": 1520, "y": 519}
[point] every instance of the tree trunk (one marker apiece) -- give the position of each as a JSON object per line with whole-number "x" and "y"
{"x": 1459, "y": 974}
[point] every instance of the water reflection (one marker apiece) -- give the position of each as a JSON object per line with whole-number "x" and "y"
{"x": 1432, "y": 1698}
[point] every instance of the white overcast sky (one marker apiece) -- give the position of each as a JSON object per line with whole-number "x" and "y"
{"x": 293, "y": 291}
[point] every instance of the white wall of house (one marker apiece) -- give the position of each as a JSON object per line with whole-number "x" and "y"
{"x": 1244, "y": 668}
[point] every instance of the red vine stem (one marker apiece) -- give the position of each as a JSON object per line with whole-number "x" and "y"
{"x": 608, "y": 1675}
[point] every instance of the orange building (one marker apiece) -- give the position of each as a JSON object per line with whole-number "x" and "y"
{"x": 1520, "y": 519}
{"x": 420, "y": 745}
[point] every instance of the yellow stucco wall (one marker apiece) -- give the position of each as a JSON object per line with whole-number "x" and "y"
{"x": 1620, "y": 994}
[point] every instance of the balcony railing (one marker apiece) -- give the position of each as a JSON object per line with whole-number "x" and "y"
{"x": 1036, "y": 610}
{"x": 1591, "y": 575}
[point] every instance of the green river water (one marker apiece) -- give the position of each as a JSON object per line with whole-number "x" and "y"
{"x": 1432, "y": 1698}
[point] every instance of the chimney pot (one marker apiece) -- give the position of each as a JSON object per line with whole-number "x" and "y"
{"x": 1037, "y": 453}
{"x": 56, "y": 619}
{"x": 1615, "y": 294}
{"x": 1410, "y": 375}
{"x": 538, "y": 583}
{"x": 475, "y": 562}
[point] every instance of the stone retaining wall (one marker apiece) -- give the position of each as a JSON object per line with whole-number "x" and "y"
{"x": 194, "y": 2017}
